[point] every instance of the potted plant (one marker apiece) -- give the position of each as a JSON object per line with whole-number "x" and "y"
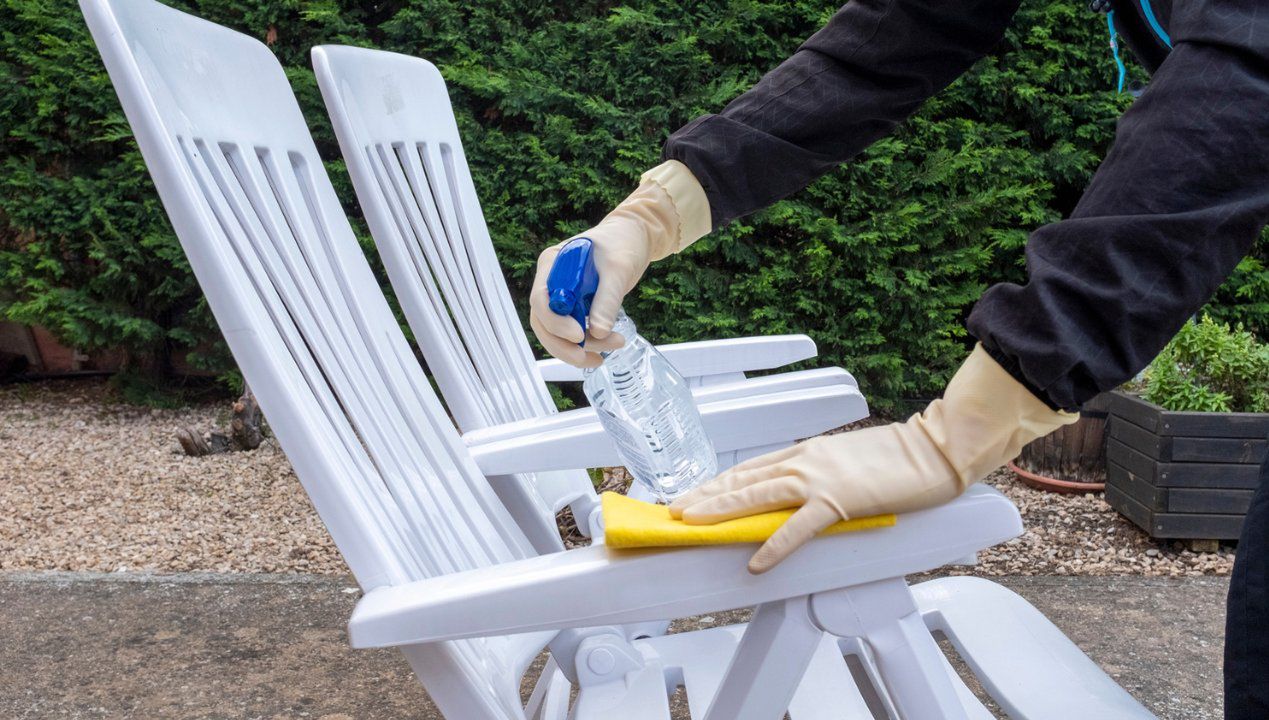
{"x": 1186, "y": 442}
{"x": 1072, "y": 459}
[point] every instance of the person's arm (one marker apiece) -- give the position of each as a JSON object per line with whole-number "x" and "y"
{"x": 1179, "y": 200}
{"x": 845, "y": 88}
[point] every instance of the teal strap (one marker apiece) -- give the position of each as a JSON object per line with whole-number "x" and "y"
{"x": 1114, "y": 49}
{"x": 1154, "y": 23}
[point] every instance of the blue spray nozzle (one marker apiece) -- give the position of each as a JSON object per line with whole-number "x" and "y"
{"x": 573, "y": 279}
{"x": 562, "y": 301}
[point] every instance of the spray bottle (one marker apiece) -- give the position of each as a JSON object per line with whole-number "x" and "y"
{"x": 643, "y": 403}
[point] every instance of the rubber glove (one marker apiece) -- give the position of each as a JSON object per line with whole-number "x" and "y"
{"x": 981, "y": 422}
{"x": 668, "y": 212}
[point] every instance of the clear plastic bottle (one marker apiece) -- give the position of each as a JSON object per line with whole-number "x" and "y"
{"x": 646, "y": 407}
{"x": 643, "y": 403}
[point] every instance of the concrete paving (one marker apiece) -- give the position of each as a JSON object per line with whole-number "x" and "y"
{"x": 244, "y": 646}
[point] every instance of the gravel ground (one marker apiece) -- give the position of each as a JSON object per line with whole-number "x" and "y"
{"x": 1082, "y": 535}
{"x": 89, "y": 484}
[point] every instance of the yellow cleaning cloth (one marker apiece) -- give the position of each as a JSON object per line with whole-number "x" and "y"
{"x": 630, "y": 523}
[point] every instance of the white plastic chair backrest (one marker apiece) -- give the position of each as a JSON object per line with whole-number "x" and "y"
{"x": 235, "y": 166}
{"x": 255, "y": 212}
{"x": 400, "y": 141}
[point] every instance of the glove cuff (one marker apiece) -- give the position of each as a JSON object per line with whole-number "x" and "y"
{"x": 985, "y": 417}
{"x": 691, "y": 206}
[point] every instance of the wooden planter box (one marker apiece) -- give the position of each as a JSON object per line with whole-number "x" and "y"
{"x": 1183, "y": 475}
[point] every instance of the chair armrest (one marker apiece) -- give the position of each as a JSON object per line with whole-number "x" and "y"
{"x": 598, "y": 586}
{"x": 766, "y": 384}
{"x": 553, "y": 370}
{"x": 712, "y": 357}
{"x": 575, "y": 439}
{"x": 778, "y": 382}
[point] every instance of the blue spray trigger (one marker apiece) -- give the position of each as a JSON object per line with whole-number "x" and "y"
{"x": 573, "y": 279}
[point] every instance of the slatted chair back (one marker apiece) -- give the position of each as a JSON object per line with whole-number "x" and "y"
{"x": 255, "y": 212}
{"x": 398, "y": 134}
{"x": 400, "y": 141}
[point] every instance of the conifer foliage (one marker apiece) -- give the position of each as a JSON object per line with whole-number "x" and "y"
{"x": 561, "y": 106}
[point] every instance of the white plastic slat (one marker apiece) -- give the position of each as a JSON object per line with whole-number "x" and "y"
{"x": 425, "y": 311}
{"x": 827, "y": 690}
{"x": 429, "y": 271}
{"x": 420, "y": 202}
{"x": 437, "y": 243}
{"x": 458, "y": 288}
{"x": 315, "y": 319}
{"x": 403, "y": 542}
{"x": 442, "y": 180}
{"x": 974, "y": 709}
{"x": 492, "y": 287}
{"x": 704, "y": 660}
{"x": 303, "y": 300}
{"x": 1022, "y": 659}
{"x": 419, "y": 455}
{"x": 451, "y": 255}
{"x": 249, "y": 230}
{"x": 413, "y": 181}
{"x": 323, "y": 333}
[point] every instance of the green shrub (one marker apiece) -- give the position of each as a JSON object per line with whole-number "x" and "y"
{"x": 561, "y": 105}
{"x": 1244, "y": 298}
{"x": 1210, "y": 367}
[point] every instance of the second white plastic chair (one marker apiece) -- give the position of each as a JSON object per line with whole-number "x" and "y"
{"x": 400, "y": 141}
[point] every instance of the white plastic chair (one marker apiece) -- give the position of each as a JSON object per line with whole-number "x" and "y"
{"x": 448, "y": 577}
{"x": 400, "y": 141}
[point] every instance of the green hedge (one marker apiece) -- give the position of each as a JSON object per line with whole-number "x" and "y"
{"x": 561, "y": 106}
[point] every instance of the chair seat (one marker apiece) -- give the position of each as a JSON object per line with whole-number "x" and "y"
{"x": 1022, "y": 659}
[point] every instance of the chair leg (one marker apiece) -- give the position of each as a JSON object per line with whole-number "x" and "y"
{"x": 549, "y": 700}
{"x": 885, "y": 616}
{"x": 827, "y": 690}
{"x": 769, "y": 663}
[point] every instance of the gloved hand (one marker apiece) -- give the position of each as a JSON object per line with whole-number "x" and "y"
{"x": 982, "y": 421}
{"x": 668, "y": 212}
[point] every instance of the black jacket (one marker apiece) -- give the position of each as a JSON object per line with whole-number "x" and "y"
{"x": 1178, "y": 201}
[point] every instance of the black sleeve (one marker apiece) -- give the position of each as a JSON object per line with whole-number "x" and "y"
{"x": 1179, "y": 200}
{"x": 847, "y": 86}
